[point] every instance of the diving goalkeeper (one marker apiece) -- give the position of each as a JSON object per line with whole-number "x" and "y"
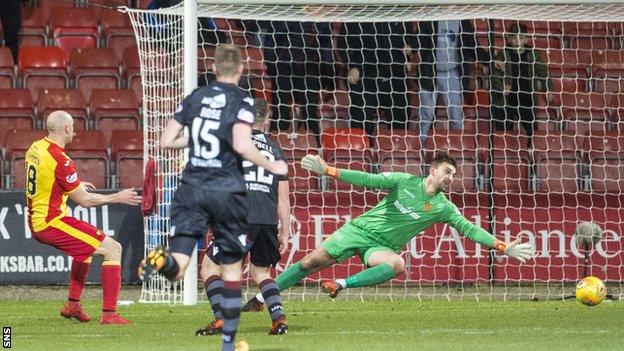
{"x": 413, "y": 203}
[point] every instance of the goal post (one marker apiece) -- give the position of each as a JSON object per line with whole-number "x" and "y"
{"x": 535, "y": 183}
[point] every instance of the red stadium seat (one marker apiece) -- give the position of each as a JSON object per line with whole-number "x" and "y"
{"x": 114, "y": 109}
{"x": 584, "y": 112}
{"x": 69, "y": 100}
{"x": 42, "y": 67}
{"x": 131, "y": 70}
{"x": 509, "y": 162}
{"x": 88, "y": 150}
{"x": 117, "y": 31}
{"x": 399, "y": 151}
{"x": 464, "y": 148}
{"x": 16, "y": 109}
{"x": 94, "y": 69}
{"x": 17, "y": 142}
{"x": 607, "y": 63}
{"x": 585, "y": 29}
{"x": 7, "y": 72}
{"x": 557, "y": 162}
{"x": 73, "y": 28}
{"x": 346, "y": 148}
{"x": 605, "y": 159}
{"x": 33, "y": 29}
{"x": 47, "y": 5}
{"x": 590, "y": 43}
{"x": 566, "y": 85}
{"x": 127, "y": 153}
{"x": 566, "y": 62}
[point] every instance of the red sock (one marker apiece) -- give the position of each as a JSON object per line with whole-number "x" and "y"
{"x": 77, "y": 279}
{"x": 111, "y": 283}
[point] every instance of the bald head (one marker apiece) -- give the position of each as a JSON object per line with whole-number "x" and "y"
{"x": 60, "y": 126}
{"x": 57, "y": 120}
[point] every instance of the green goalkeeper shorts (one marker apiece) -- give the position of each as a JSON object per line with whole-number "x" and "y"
{"x": 348, "y": 241}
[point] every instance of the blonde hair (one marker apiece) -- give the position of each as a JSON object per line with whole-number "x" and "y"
{"x": 227, "y": 60}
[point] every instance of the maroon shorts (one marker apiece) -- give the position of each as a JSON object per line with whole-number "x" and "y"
{"x": 74, "y": 237}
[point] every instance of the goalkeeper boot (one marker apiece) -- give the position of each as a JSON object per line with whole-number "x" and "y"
{"x": 331, "y": 287}
{"x": 113, "y": 318}
{"x": 153, "y": 263}
{"x": 75, "y": 310}
{"x": 253, "y": 305}
{"x": 279, "y": 326}
{"x": 212, "y": 328}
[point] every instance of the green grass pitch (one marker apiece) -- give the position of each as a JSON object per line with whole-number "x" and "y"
{"x": 333, "y": 326}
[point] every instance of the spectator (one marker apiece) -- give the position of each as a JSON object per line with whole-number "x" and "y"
{"x": 446, "y": 50}
{"x": 376, "y": 55}
{"x": 519, "y": 72}
{"x": 10, "y": 16}
{"x": 296, "y": 53}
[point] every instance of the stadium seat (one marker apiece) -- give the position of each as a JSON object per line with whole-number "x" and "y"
{"x": 16, "y": 109}
{"x": 585, "y": 29}
{"x": 117, "y": 32}
{"x": 509, "y": 162}
{"x": 7, "y": 71}
{"x": 567, "y": 62}
{"x": 295, "y": 146}
{"x": 127, "y": 153}
{"x": 605, "y": 160}
{"x": 464, "y": 148}
{"x": 131, "y": 70}
{"x": 590, "y": 43}
{"x": 346, "y": 148}
{"x": 42, "y": 68}
{"x": 33, "y": 29}
{"x": 114, "y": 109}
{"x": 566, "y": 85}
{"x": 69, "y": 100}
{"x": 17, "y": 142}
{"x": 584, "y": 112}
{"x": 557, "y": 162}
{"x": 88, "y": 150}
{"x": 607, "y": 63}
{"x": 47, "y": 5}
{"x": 399, "y": 151}
{"x": 94, "y": 69}
{"x": 73, "y": 28}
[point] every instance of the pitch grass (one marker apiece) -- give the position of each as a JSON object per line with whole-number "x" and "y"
{"x": 332, "y": 326}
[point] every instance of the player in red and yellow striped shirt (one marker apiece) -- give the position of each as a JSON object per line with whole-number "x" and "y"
{"x": 51, "y": 178}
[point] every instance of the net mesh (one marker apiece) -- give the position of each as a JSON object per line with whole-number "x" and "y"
{"x": 536, "y": 132}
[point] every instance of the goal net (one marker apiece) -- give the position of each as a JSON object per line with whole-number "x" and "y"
{"x": 527, "y": 97}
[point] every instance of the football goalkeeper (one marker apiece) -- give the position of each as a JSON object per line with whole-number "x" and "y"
{"x": 413, "y": 203}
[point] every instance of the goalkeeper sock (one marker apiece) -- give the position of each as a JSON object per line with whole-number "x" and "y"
{"x": 371, "y": 276}
{"x": 231, "y": 307}
{"x": 290, "y": 277}
{"x": 214, "y": 291}
{"x": 171, "y": 268}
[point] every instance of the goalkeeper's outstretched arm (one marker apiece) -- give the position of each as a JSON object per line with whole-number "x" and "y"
{"x": 316, "y": 164}
{"x": 515, "y": 249}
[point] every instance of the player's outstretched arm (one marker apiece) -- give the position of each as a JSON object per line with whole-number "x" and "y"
{"x": 515, "y": 249}
{"x": 316, "y": 164}
{"x": 87, "y": 199}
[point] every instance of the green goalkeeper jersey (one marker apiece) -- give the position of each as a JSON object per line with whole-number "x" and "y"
{"x": 407, "y": 210}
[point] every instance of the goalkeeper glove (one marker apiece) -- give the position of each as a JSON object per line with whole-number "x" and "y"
{"x": 515, "y": 249}
{"x": 314, "y": 163}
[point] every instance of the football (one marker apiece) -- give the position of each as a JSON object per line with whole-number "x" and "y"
{"x": 588, "y": 233}
{"x": 590, "y": 291}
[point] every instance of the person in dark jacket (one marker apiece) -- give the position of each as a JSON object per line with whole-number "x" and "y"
{"x": 376, "y": 55}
